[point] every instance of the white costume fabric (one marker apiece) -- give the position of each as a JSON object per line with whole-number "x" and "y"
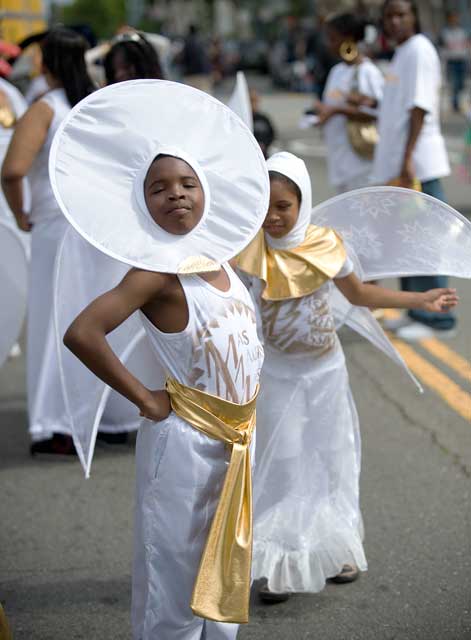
{"x": 307, "y": 517}
{"x": 45, "y": 401}
{"x": 294, "y": 168}
{"x": 306, "y": 492}
{"x": 180, "y": 471}
{"x": 239, "y": 101}
{"x": 348, "y": 170}
{"x": 116, "y": 220}
{"x": 82, "y": 273}
{"x": 413, "y": 80}
{"x": 13, "y": 287}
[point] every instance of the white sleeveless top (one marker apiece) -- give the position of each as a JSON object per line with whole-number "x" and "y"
{"x": 43, "y": 203}
{"x": 219, "y": 351}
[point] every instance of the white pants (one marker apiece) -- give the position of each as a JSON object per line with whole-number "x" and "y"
{"x": 179, "y": 476}
{"x": 46, "y": 406}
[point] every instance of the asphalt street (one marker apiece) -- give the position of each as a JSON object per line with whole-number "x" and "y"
{"x": 66, "y": 542}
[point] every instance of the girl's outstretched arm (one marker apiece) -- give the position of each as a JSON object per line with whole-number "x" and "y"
{"x": 363, "y": 294}
{"x": 86, "y": 338}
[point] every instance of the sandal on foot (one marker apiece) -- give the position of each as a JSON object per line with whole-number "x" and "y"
{"x": 349, "y": 573}
{"x": 270, "y": 597}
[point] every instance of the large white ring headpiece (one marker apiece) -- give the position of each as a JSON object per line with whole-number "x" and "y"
{"x": 102, "y": 152}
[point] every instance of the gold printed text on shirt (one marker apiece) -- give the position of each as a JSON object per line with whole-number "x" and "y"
{"x": 285, "y": 328}
{"x": 197, "y": 264}
{"x": 226, "y": 368}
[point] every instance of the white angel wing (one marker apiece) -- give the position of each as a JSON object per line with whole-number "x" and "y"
{"x": 82, "y": 273}
{"x": 399, "y": 232}
{"x": 393, "y": 232}
{"x": 13, "y": 286}
{"x": 239, "y": 101}
{"x": 361, "y": 320}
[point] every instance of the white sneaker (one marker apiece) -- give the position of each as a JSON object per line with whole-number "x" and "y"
{"x": 393, "y": 324}
{"x": 418, "y": 331}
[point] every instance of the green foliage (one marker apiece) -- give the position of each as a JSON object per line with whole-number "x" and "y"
{"x": 103, "y": 16}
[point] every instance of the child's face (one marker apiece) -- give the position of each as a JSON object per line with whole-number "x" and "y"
{"x": 173, "y": 195}
{"x": 283, "y": 210}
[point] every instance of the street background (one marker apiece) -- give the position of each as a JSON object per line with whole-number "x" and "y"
{"x": 66, "y": 542}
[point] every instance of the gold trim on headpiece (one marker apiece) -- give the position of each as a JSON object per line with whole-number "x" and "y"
{"x": 297, "y": 272}
{"x": 197, "y": 264}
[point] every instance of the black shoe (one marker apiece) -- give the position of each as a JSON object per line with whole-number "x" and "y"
{"x": 270, "y": 597}
{"x": 60, "y": 444}
{"x": 120, "y": 437}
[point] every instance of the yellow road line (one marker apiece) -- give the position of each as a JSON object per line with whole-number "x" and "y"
{"x": 448, "y": 356}
{"x": 440, "y": 351}
{"x": 431, "y": 376}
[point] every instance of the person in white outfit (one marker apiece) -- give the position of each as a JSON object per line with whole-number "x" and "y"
{"x": 307, "y": 520}
{"x": 187, "y": 204}
{"x": 352, "y": 85}
{"x": 411, "y": 146}
{"x": 28, "y": 155}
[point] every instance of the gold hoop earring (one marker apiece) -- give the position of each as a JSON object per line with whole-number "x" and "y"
{"x": 348, "y": 51}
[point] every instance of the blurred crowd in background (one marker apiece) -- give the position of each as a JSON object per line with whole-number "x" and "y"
{"x": 209, "y": 41}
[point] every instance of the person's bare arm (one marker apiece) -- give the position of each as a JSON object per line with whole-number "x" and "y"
{"x": 416, "y": 123}
{"x": 326, "y": 111}
{"x": 27, "y": 140}
{"x": 86, "y": 338}
{"x": 368, "y": 295}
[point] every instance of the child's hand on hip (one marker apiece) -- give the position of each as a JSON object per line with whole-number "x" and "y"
{"x": 156, "y": 406}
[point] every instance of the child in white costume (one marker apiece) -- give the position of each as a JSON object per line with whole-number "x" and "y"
{"x": 306, "y": 503}
{"x": 176, "y": 208}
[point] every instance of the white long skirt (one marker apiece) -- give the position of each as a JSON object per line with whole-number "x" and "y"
{"x": 306, "y": 485}
{"x": 179, "y": 477}
{"x": 46, "y": 407}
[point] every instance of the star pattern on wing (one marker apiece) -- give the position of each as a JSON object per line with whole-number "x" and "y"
{"x": 364, "y": 241}
{"x": 373, "y": 206}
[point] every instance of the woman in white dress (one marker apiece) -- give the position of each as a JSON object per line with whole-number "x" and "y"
{"x": 28, "y": 155}
{"x": 352, "y": 85}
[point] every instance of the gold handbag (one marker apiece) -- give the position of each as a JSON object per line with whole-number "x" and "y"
{"x": 362, "y": 136}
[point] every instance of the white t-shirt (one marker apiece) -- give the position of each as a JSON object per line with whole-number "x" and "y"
{"x": 413, "y": 80}
{"x": 343, "y": 163}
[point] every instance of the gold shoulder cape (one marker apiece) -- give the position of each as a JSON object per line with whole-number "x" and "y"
{"x": 297, "y": 272}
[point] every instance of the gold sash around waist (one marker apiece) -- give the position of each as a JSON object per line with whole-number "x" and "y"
{"x": 222, "y": 587}
{"x": 296, "y": 272}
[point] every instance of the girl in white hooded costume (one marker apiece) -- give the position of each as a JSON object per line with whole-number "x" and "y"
{"x": 176, "y": 208}
{"x": 307, "y": 526}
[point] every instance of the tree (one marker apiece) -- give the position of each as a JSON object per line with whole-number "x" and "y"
{"x": 103, "y": 16}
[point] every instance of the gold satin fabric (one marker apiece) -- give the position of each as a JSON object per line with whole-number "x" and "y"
{"x": 297, "y": 272}
{"x": 7, "y": 115}
{"x": 222, "y": 587}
